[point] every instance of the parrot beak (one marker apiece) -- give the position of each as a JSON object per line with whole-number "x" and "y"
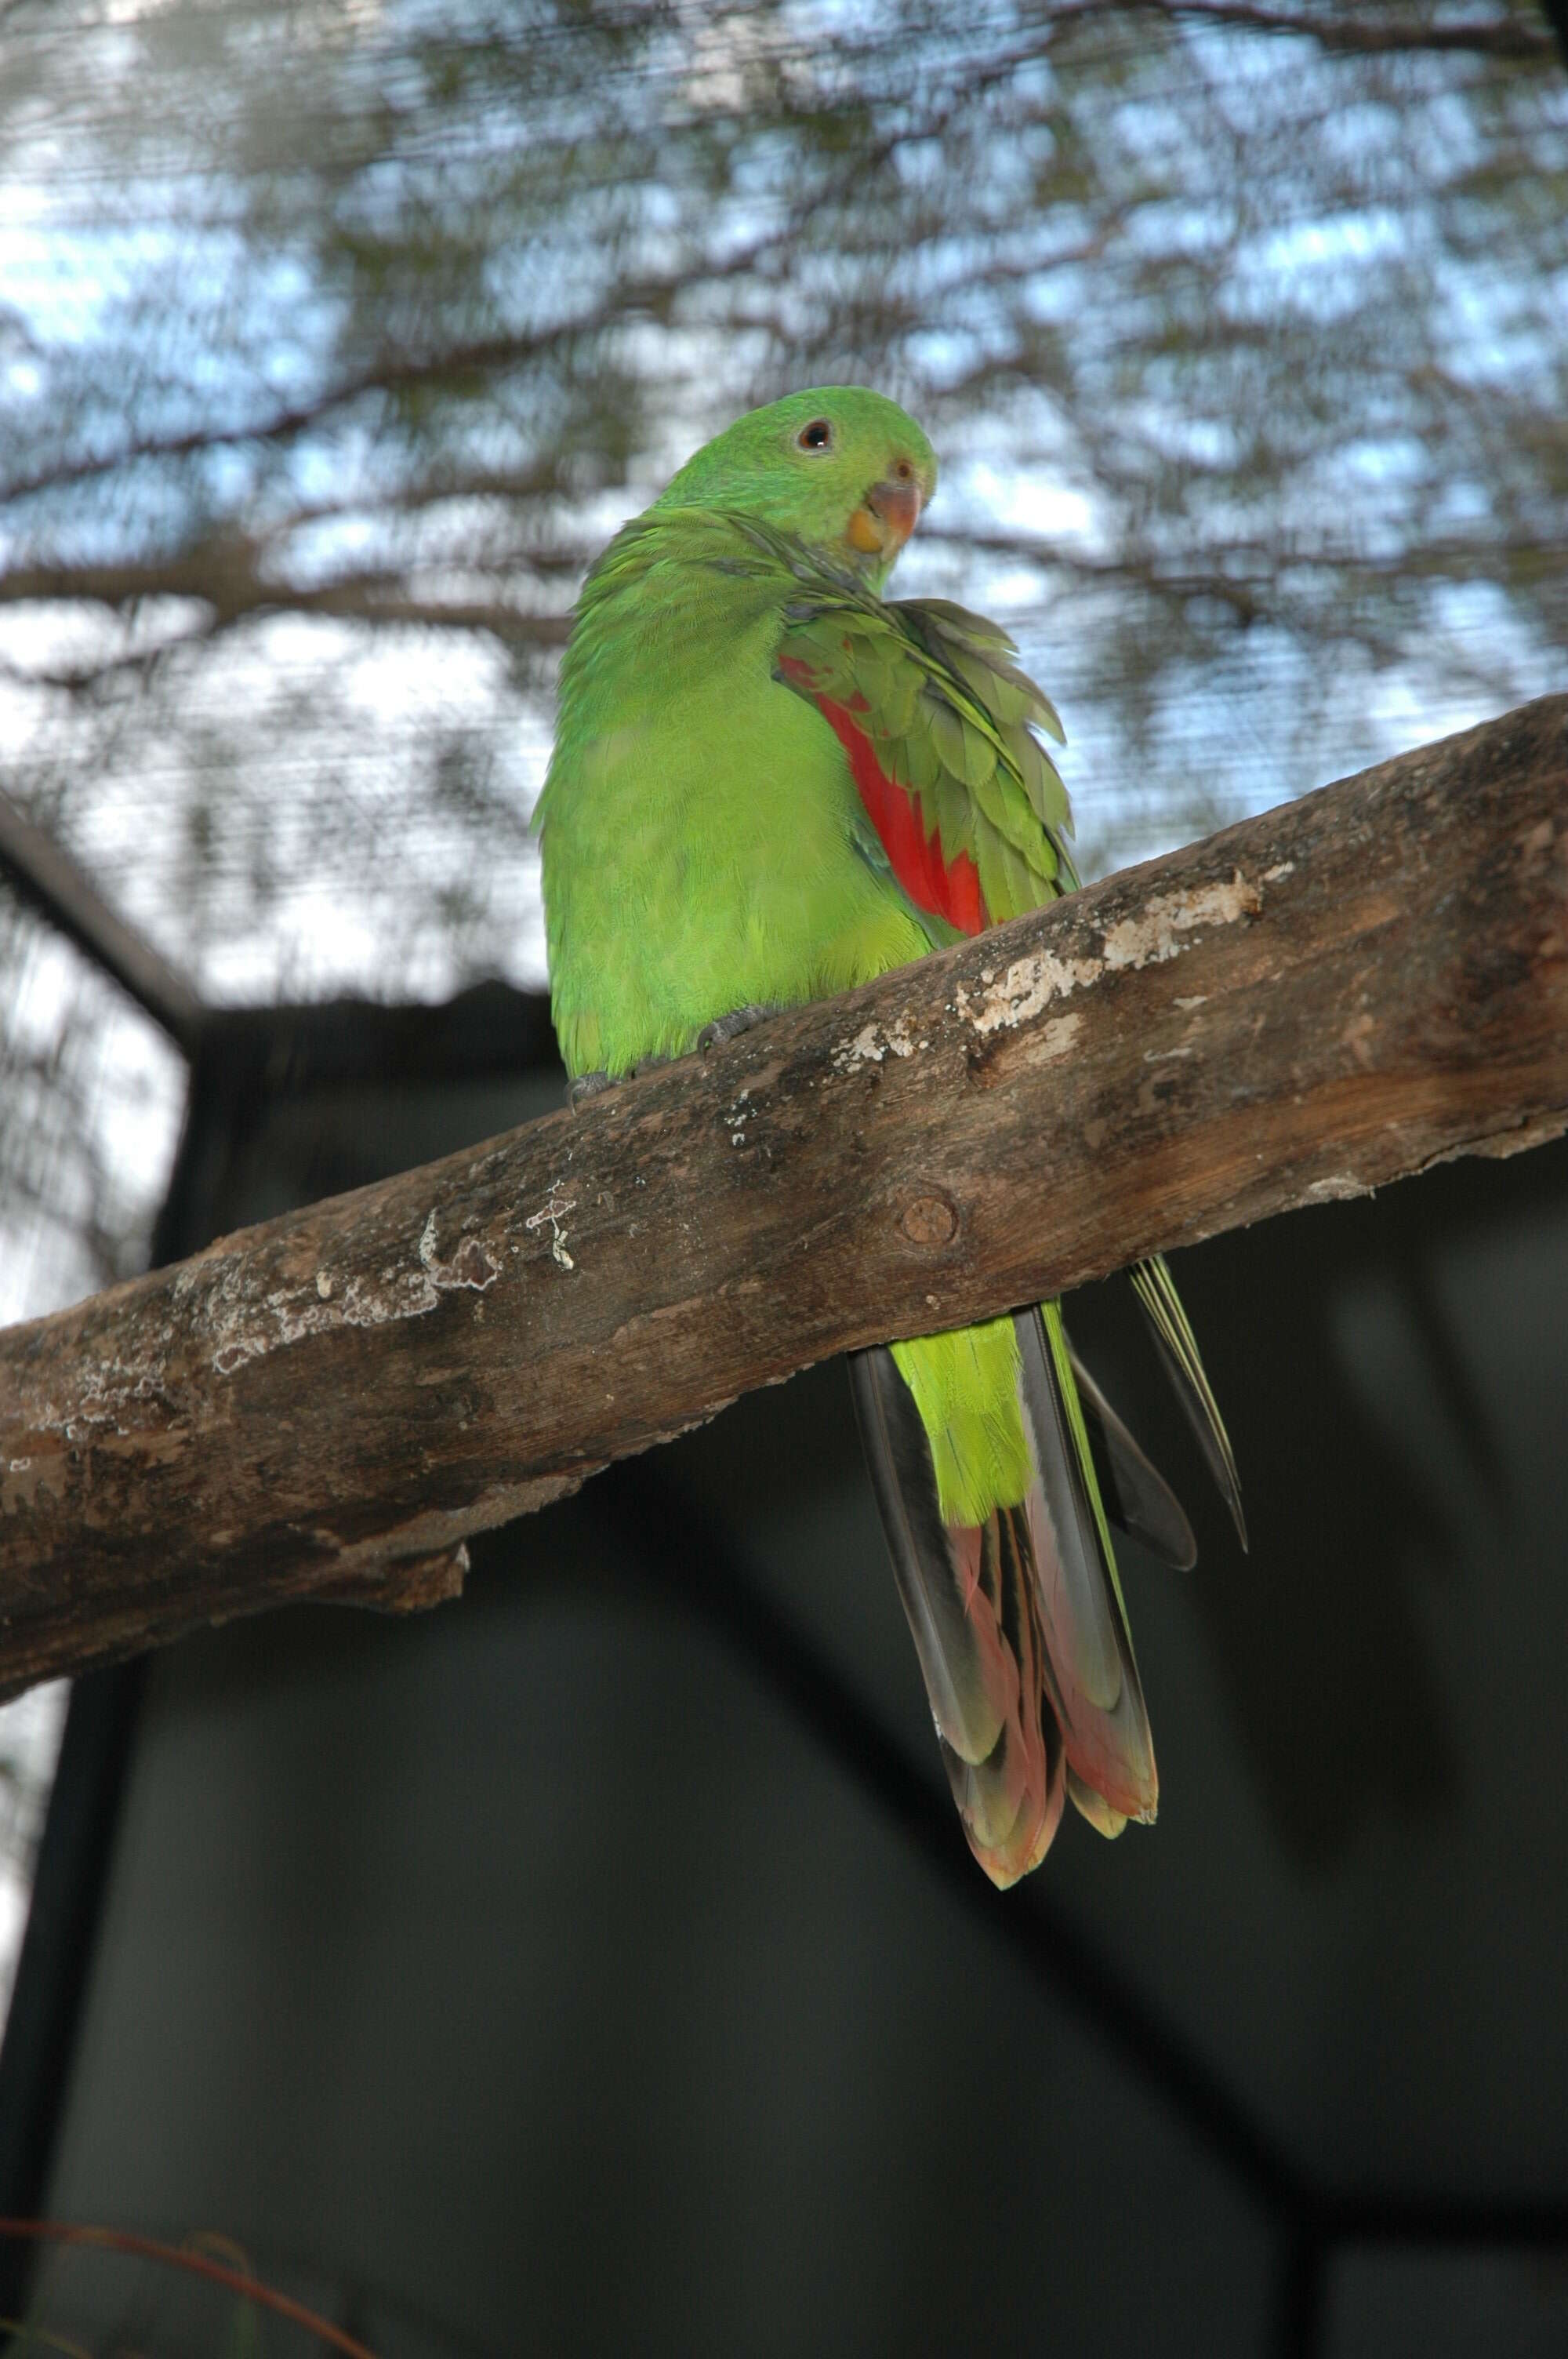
{"x": 885, "y": 518}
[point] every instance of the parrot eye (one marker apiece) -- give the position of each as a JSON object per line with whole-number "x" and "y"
{"x": 903, "y": 472}
{"x": 816, "y": 436}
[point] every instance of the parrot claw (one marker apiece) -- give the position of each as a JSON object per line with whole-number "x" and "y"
{"x": 586, "y": 1086}
{"x": 731, "y": 1027}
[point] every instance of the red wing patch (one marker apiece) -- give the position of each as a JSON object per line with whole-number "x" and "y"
{"x": 950, "y": 888}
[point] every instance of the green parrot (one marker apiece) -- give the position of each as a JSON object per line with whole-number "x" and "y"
{"x": 769, "y": 784}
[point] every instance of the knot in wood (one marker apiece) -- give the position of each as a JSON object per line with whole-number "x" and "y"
{"x": 471, "y": 1266}
{"x": 929, "y": 1221}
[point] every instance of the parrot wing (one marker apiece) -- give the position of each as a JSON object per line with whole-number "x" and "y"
{"x": 936, "y": 719}
{"x": 938, "y": 723}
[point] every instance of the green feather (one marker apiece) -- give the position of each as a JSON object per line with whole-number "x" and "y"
{"x": 966, "y": 1389}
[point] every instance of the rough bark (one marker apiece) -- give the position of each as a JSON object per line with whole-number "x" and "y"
{"x": 1309, "y": 1004}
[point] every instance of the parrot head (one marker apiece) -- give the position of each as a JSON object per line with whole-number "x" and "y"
{"x": 843, "y": 469}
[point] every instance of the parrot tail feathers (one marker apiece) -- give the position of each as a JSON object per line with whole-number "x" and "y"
{"x": 1091, "y": 1673}
{"x": 1138, "y": 1499}
{"x": 1162, "y": 1306}
{"x": 969, "y": 1594}
{"x": 1018, "y": 1622}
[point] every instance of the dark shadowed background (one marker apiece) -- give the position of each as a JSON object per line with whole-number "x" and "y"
{"x": 597, "y": 1964}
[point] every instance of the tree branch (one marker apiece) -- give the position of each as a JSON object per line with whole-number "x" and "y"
{"x": 1357, "y": 33}
{"x": 1307, "y": 1006}
{"x": 226, "y": 574}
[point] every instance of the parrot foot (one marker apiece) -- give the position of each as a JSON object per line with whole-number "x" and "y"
{"x": 731, "y": 1027}
{"x": 588, "y": 1085}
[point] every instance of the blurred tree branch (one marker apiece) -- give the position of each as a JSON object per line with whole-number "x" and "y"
{"x": 1365, "y": 32}
{"x": 228, "y": 576}
{"x": 1307, "y": 1006}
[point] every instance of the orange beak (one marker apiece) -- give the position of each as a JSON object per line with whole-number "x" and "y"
{"x": 885, "y": 518}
